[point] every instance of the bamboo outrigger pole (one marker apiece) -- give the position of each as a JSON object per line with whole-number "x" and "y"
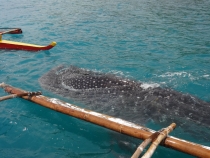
{"x": 8, "y": 97}
{"x": 144, "y": 144}
{"x": 19, "y": 95}
{"x": 156, "y": 138}
{"x": 163, "y": 134}
{"x": 112, "y": 123}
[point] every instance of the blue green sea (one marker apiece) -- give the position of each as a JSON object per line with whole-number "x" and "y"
{"x": 165, "y": 42}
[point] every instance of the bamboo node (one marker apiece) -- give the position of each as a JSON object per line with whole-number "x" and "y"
{"x": 140, "y": 148}
{"x": 86, "y": 116}
{"x": 121, "y": 126}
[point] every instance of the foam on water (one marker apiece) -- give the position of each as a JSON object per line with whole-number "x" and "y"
{"x": 172, "y": 74}
{"x": 149, "y": 85}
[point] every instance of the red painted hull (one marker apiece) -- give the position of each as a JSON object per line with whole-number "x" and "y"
{"x": 4, "y": 44}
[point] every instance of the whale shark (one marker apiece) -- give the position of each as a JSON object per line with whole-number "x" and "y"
{"x": 126, "y": 98}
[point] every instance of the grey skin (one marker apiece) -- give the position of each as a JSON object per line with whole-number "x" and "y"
{"x": 126, "y": 99}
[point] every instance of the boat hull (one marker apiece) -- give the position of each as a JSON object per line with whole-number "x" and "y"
{"x": 5, "y": 44}
{"x": 11, "y": 31}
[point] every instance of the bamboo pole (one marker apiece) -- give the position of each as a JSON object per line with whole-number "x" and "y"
{"x": 8, "y": 97}
{"x": 19, "y": 95}
{"x": 112, "y": 123}
{"x": 144, "y": 144}
{"x": 163, "y": 134}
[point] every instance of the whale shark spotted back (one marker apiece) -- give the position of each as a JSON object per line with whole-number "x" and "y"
{"x": 125, "y": 98}
{"x": 82, "y": 81}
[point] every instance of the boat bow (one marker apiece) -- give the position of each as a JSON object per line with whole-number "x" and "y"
{"x": 5, "y": 44}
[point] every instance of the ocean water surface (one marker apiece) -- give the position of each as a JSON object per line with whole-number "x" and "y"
{"x": 163, "y": 43}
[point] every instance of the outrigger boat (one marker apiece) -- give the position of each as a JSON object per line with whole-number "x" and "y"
{"x": 5, "y": 44}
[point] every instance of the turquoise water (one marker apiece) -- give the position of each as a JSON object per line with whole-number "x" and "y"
{"x": 164, "y": 42}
